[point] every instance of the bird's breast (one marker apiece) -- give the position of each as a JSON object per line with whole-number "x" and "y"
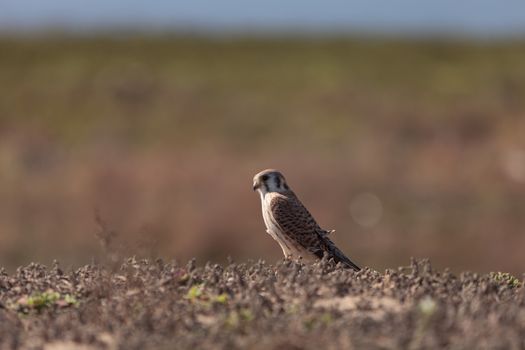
{"x": 289, "y": 246}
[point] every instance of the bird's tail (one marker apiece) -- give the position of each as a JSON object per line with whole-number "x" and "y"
{"x": 338, "y": 256}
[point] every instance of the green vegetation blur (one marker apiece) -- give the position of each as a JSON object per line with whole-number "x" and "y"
{"x": 405, "y": 148}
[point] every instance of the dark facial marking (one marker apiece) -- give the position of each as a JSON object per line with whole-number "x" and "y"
{"x": 278, "y": 181}
{"x": 286, "y": 186}
{"x": 264, "y": 178}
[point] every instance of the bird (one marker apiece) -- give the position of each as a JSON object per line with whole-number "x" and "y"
{"x": 289, "y": 222}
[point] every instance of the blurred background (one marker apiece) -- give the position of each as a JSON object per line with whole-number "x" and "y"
{"x": 399, "y": 124}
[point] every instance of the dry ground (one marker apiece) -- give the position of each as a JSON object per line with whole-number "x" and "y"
{"x": 159, "y": 305}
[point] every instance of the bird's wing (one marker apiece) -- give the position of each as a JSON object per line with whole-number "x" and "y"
{"x": 299, "y": 225}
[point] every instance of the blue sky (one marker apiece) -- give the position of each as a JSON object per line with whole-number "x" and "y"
{"x": 465, "y": 17}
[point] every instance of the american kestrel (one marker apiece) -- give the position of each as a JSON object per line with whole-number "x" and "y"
{"x": 290, "y": 223}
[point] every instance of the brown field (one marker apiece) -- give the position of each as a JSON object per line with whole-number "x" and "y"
{"x": 405, "y": 148}
{"x": 155, "y": 305}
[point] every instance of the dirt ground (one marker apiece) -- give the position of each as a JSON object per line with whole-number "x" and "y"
{"x": 165, "y": 305}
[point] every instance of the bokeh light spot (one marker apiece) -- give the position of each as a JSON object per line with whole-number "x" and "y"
{"x": 366, "y": 209}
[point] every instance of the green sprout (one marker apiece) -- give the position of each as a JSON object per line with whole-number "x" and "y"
{"x": 221, "y": 298}
{"x": 70, "y": 300}
{"x": 324, "y": 319}
{"x": 47, "y": 299}
{"x": 195, "y": 292}
{"x": 506, "y": 278}
{"x": 42, "y": 300}
{"x": 427, "y": 307}
{"x": 246, "y": 315}
{"x": 236, "y": 319}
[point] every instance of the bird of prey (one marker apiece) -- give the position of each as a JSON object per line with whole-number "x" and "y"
{"x": 290, "y": 223}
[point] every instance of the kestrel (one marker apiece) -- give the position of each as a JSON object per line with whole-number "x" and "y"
{"x": 290, "y": 223}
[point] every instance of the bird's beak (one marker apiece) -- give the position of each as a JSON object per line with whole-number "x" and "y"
{"x": 255, "y": 186}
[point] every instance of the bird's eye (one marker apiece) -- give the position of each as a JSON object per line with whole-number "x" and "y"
{"x": 264, "y": 177}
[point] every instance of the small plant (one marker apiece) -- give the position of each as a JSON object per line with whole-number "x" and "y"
{"x": 506, "y": 278}
{"x": 47, "y": 299}
{"x": 196, "y": 294}
{"x": 426, "y": 307}
{"x": 238, "y": 318}
{"x": 221, "y": 298}
{"x": 42, "y": 300}
{"x": 246, "y": 315}
{"x": 324, "y": 319}
{"x": 68, "y": 300}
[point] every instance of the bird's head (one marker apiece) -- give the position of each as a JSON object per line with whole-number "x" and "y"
{"x": 269, "y": 180}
